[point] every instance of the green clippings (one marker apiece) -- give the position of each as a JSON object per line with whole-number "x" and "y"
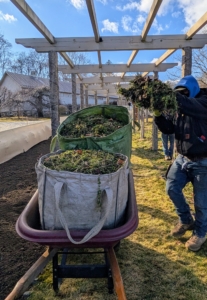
{"x": 94, "y": 125}
{"x": 150, "y": 94}
{"x": 85, "y": 161}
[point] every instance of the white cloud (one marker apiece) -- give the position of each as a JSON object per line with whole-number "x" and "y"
{"x": 110, "y": 26}
{"x": 79, "y": 4}
{"x": 104, "y": 2}
{"x": 154, "y": 60}
{"x": 176, "y": 14}
{"x": 142, "y": 6}
{"x": 4, "y": 0}
{"x": 128, "y": 25}
{"x": 6, "y": 17}
{"x": 140, "y": 19}
{"x": 157, "y": 26}
{"x": 193, "y": 10}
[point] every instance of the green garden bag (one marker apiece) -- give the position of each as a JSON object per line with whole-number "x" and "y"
{"x": 120, "y": 141}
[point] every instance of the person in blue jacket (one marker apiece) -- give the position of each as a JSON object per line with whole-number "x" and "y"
{"x": 190, "y": 129}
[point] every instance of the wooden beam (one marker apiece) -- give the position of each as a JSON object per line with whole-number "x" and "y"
{"x": 108, "y": 79}
{"x": 92, "y": 15}
{"x": 33, "y": 18}
{"x": 115, "y": 43}
{"x": 152, "y": 14}
{"x": 164, "y": 56}
{"x": 99, "y": 59}
{"x": 96, "y": 87}
{"x": 118, "y": 68}
{"x": 196, "y": 27}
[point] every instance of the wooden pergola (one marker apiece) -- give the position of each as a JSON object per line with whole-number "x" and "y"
{"x": 53, "y": 45}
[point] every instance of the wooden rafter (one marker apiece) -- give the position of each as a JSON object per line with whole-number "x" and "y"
{"x": 191, "y": 32}
{"x": 196, "y": 27}
{"x": 152, "y": 14}
{"x": 34, "y": 19}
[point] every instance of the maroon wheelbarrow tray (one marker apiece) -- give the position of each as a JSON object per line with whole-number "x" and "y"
{"x": 28, "y": 227}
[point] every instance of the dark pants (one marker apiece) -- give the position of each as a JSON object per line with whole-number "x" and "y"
{"x": 181, "y": 172}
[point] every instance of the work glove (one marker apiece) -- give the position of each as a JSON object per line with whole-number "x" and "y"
{"x": 157, "y": 113}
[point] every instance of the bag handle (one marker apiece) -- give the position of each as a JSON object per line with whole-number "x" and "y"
{"x": 95, "y": 230}
{"x": 53, "y": 143}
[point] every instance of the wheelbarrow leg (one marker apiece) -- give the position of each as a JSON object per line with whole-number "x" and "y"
{"x": 116, "y": 274}
{"x": 109, "y": 274}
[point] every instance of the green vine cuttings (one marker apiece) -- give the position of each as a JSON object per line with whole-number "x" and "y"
{"x": 92, "y": 126}
{"x": 85, "y": 161}
{"x": 150, "y": 94}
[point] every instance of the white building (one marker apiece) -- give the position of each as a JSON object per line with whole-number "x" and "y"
{"x": 15, "y": 83}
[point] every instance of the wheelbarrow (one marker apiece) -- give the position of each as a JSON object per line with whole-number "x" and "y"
{"x": 28, "y": 227}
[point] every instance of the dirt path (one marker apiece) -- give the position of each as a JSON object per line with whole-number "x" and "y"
{"x": 17, "y": 184}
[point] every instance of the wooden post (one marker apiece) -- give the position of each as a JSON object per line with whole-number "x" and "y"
{"x": 81, "y": 96}
{"x": 154, "y": 126}
{"x": 155, "y": 74}
{"x": 146, "y": 115}
{"x": 54, "y": 91}
{"x": 95, "y": 97}
{"x": 154, "y": 136}
{"x": 74, "y": 99}
{"x": 107, "y": 98}
{"x": 142, "y": 123}
{"x": 186, "y": 61}
{"x": 133, "y": 117}
{"x": 86, "y": 96}
{"x": 138, "y": 114}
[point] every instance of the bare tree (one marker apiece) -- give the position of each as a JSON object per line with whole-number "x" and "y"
{"x": 78, "y": 58}
{"x": 5, "y": 98}
{"x": 36, "y": 99}
{"x": 31, "y": 63}
{"x": 5, "y": 54}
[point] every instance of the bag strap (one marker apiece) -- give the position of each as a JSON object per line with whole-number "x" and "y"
{"x": 95, "y": 230}
{"x": 53, "y": 143}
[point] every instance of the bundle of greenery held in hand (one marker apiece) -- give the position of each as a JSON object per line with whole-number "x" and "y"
{"x": 94, "y": 125}
{"x": 150, "y": 94}
{"x": 85, "y": 161}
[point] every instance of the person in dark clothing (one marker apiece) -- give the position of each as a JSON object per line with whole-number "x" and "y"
{"x": 190, "y": 129}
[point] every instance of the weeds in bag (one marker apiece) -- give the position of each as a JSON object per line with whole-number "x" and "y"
{"x": 94, "y": 125}
{"x": 85, "y": 161}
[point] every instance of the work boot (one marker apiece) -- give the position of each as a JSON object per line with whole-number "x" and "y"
{"x": 195, "y": 243}
{"x": 166, "y": 157}
{"x": 180, "y": 229}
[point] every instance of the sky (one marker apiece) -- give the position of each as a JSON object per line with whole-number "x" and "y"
{"x": 70, "y": 18}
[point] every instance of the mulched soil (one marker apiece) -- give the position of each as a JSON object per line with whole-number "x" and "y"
{"x": 18, "y": 182}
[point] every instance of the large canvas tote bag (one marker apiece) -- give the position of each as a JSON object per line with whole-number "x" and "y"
{"x": 68, "y": 200}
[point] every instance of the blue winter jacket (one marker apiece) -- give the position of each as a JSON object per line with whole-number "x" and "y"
{"x": 190, "y": 124}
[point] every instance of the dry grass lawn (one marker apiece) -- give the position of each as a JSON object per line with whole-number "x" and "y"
{"x": 153, "y": 264}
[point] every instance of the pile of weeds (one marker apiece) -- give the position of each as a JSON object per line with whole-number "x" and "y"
{"x": 85, "y": 161}
{"x": 94, "y": 125}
